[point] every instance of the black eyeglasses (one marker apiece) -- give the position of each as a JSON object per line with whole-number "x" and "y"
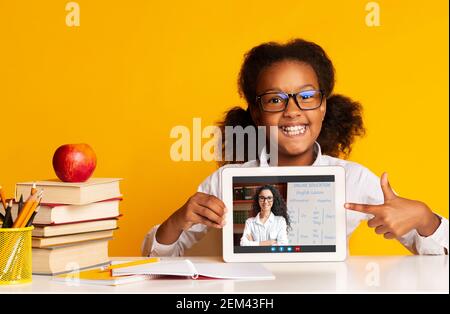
{"x": 268, "y": 199}
{"x": 278, "y": 101}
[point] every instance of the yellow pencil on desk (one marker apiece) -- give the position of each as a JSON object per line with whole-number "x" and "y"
{"x": 128, "y": 264}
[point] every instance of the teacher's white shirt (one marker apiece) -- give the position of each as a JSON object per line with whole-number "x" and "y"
{"x": 362, "y": 186}
{"x": 274, "y": 228}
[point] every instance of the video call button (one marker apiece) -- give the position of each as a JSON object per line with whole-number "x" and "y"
{"x": 289, "y": 249}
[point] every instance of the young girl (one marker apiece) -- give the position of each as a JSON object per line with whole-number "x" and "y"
{"x": 291, "y": 86}
{"x": 269, "y": 221}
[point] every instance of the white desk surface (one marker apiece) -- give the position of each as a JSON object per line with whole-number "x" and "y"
{"x": 357, "y": 274}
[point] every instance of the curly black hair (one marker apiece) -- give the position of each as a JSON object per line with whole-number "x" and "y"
{"x": 279, "y": 207}
{"x": 343, "y": 119}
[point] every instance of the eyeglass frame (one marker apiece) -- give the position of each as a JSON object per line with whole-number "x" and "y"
{"x": 263, "y": 199}
{"x": 293, "y": 95}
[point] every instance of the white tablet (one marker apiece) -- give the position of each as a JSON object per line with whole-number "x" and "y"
{"x": 284, "y": 214}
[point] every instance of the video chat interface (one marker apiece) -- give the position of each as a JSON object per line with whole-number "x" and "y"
{"x": 310, "y": 207}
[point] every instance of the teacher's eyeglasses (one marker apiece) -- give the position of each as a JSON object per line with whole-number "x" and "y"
{"x": 269, "y": 199}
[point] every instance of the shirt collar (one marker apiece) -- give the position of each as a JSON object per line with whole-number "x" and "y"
{"x": 270, "y": 219}
{"x": 264, "y": 157}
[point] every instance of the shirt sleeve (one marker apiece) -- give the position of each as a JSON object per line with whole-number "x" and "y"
{"x": 247, "y": 231}
{"x": 151, "y": 247}
{"x": 362, "y": 187}
{"x": 435, "y": 244}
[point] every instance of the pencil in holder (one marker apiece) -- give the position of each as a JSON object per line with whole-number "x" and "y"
{"x": 15, "y": 255}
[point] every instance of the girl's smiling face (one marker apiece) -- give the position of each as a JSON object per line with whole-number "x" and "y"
{"x": 295, "y": 147}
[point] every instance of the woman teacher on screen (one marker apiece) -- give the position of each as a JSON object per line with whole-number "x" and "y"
{"x": 269, "y": 222}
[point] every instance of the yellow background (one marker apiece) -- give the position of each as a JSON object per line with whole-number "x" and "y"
{"x": 135, "y": 69}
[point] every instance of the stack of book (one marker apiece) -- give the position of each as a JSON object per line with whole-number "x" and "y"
{"x": 74, "y": 223}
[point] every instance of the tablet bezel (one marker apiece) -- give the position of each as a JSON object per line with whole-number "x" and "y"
{"x": 227, "y": 175}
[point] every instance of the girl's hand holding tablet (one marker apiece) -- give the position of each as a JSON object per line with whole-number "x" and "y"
{"x": 200, "y": 208}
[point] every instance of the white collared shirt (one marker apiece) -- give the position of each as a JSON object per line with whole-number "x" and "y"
{"x": 362, "y": 186}
{"x": 274, "y": 228}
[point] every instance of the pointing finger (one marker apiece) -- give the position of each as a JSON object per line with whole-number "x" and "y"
{"x": 363, "y": 208}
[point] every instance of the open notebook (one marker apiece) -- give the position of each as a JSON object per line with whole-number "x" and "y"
{"x": 186, "y": 268}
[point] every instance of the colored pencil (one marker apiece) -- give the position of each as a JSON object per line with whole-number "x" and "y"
{"x": 33, "y": 189}
{"x": 3, "y": 197}
{"x": 8, "y": 221}
{"x": 20, "y": 205}
{"x": 30, "y": 222}
{"x": 24, "y": 213}
{"x": 31, "y": 210}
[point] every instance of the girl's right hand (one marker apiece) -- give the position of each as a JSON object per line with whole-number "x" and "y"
{"x": 200, "y": 208}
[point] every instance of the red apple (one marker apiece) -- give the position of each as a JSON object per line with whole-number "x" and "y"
{"x": 74, "y": 162}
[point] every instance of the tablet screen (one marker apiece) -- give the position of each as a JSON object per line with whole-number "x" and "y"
{"x": 273, "y": 214}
